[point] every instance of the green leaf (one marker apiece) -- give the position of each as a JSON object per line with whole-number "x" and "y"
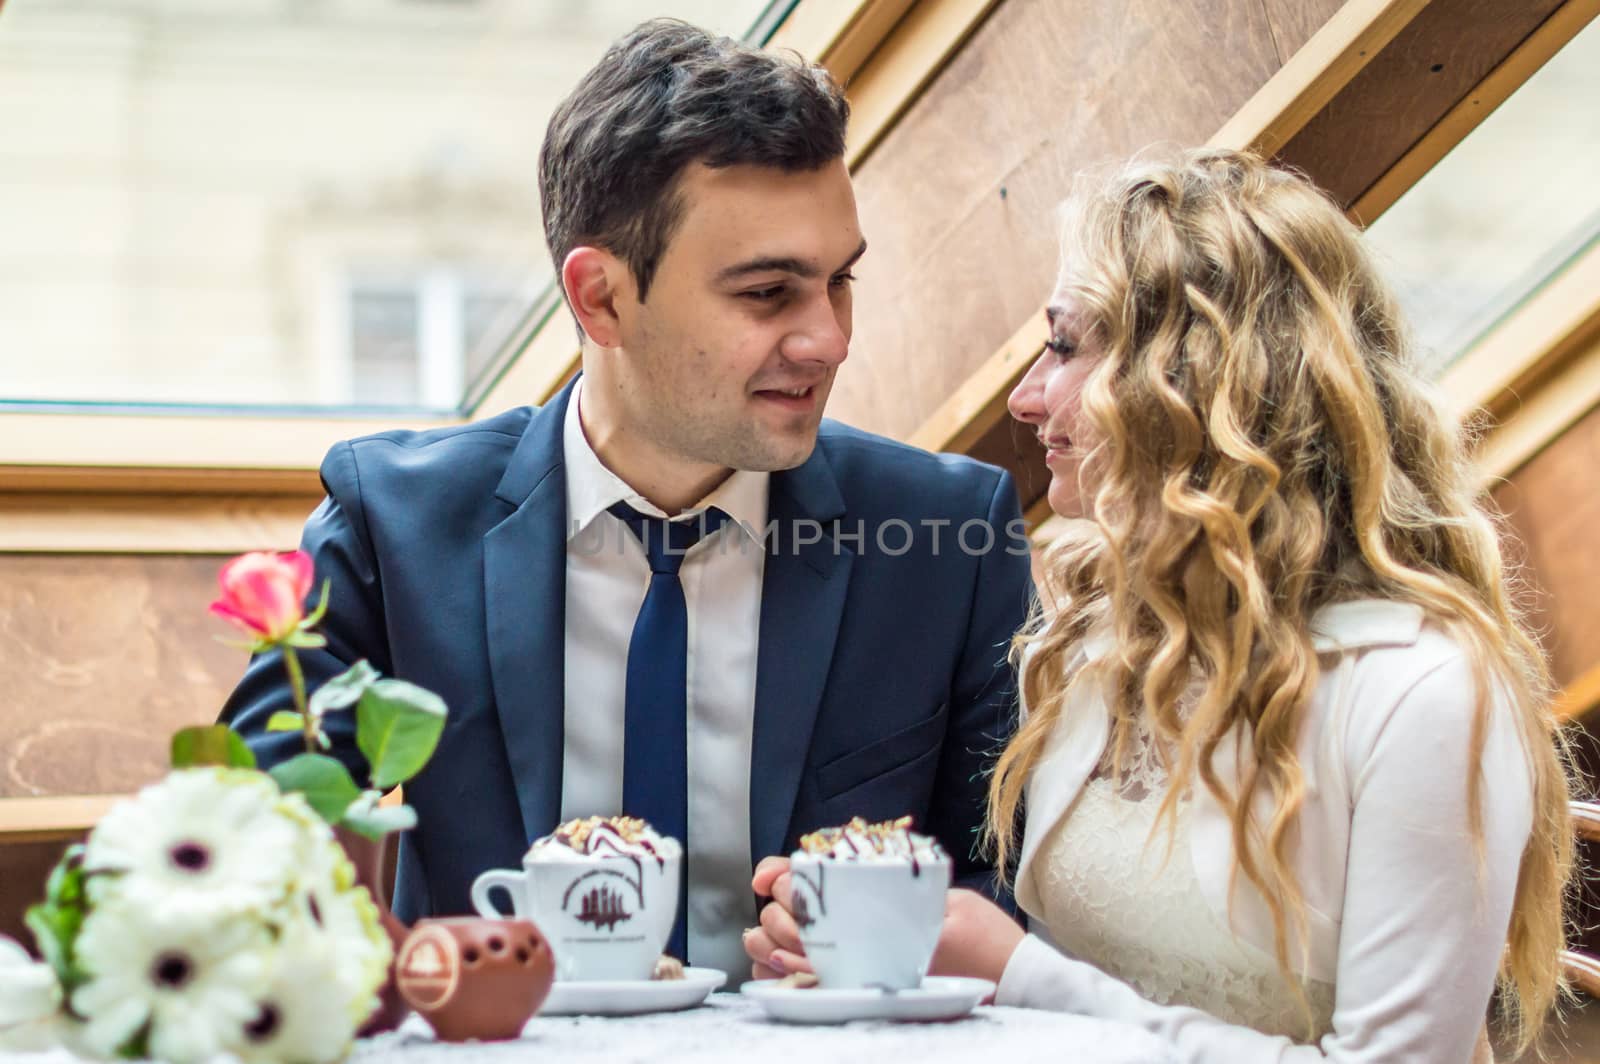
{"x": 285, "y": 720}
{"x": 324, "y": 781}
{"x": 366, "y": 817}
{"x": 398, "y": 725}
{"x": 65, "y": 884}
{"x": 343, "y": 690}
{"x": 211, "y": 744}
{"x": 55, "y": 932}
{"x": 251, "y": 646}
{"x": 56, "y": 921}
{"x": 305, "y": 640}
{"x": 315, "y": 615}
{"x": 137, "y": 1047}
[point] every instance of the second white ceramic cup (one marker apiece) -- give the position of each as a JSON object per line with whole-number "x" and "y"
{"x": 869, "y": 923}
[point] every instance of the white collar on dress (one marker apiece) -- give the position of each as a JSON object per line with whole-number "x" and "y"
{"x": 1340, "y": 626}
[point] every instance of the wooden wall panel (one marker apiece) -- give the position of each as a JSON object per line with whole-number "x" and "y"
{"x": 1012, "y": 445}
{"x": 1433, "y": 64}
{"x": 102, "y": 657}
{"x": 958, "y": 200}
{"x": 1553, "y": 506}
{"x": 1295, "y": 21}
{"x": 24, "y": 869}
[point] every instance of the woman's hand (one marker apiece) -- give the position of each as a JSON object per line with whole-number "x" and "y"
{"x": 774, "y": 945}
{"x": 978, "y": 938}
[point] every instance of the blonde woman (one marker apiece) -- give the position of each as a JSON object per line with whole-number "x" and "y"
{"x": 1292, "y": 785}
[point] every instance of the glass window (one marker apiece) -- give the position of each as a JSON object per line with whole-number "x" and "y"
{"x": 323, "y": 203}
{"x": 1500, "y": 215}
{"x": 386, "y": 357}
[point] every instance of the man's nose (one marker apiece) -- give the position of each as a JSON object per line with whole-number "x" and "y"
{"x": 824, "y": 335}
{"x": 1026, "y": 401}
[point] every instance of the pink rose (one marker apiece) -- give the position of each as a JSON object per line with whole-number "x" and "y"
{"x": 264, "y": 594}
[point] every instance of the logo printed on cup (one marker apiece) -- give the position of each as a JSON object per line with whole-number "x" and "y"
{"x": 803, "y": 917}
{"x": 602, "y": 906}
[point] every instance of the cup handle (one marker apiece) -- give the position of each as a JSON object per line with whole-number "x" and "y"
{"x": 484, "y": 885}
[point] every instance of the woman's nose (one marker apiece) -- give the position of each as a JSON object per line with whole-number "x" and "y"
{"x": 1026, "y": 401}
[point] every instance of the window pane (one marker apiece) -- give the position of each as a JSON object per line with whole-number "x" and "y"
{"x": 384, "y": 355}
{"x": 488, "y": 318}
{"x": 281, "y": 202}
{"x": 1504, "y": 211}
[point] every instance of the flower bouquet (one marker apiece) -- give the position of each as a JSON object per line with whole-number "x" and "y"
{"x": 215, "y": 912}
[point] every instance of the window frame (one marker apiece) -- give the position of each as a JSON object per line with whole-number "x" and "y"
{"x": 65, "y": 448}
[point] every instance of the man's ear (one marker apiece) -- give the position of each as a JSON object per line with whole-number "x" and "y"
{"x": 593, "y": 279}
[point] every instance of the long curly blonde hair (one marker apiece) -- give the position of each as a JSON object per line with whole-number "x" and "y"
{"x": 1262, "y": 446}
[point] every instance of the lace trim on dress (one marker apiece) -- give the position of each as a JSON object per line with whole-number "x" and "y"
{"x": 1136, "y": 911}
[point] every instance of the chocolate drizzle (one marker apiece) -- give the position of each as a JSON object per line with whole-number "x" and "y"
{"x": 624, "y": 836}
{"x": 860, "y": 840}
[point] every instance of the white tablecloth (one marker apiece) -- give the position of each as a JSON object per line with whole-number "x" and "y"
{"x": 732, "y": 1028}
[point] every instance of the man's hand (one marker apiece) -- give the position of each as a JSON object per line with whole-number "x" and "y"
{"x": 978, "y": 937}
{"x": 774, "y": 945}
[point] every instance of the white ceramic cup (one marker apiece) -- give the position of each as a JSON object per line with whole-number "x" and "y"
{"x": 606, "y": 916}
{"x": 869, "y": 923}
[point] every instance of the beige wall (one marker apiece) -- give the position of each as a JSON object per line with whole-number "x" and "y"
{"x": 188, "y": 187}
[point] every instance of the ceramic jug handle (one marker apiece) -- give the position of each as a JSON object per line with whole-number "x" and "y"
{"x": 484, "y": 885}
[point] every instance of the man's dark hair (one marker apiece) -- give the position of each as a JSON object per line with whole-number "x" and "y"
{"x": 664, "y": 96}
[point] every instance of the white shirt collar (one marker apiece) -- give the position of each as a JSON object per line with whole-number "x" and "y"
{"x": 1340, "y": 626}
{"x": 592, "y": 489}
{"x": 1366, "y": 623}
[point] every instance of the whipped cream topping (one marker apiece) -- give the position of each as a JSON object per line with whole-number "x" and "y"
{"x": 890, "y": 840}
{"x": 603, "y": 836}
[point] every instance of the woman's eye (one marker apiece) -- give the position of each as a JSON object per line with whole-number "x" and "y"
{"x": 1059, "y": 347}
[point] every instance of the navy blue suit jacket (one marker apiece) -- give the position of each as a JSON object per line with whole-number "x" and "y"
{"x": 882, "y": 686}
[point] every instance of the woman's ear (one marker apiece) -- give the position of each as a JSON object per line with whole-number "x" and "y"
{"x": 591, "y": 278}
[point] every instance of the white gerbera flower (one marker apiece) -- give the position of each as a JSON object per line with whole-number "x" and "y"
{"x": 194, "y": 982}
{"x": 206, "y": 841}
{"x": 300, "y": 1017}
{"x": 30, "y": 999}
{"x": 330, "y": 900}
{"x": 348, "y": 919}
{"x": 319, "y": 859}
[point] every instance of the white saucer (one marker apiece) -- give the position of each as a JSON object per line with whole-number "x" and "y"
{"x": 938, "y": 998}
{"x": 632, "y": 996}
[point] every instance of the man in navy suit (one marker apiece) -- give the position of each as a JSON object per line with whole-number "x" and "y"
{"x": 673, "y": 590}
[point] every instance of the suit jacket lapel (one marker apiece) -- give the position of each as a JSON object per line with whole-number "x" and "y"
{"x": 802, "y": 602}
{"x": 525, "y": 599}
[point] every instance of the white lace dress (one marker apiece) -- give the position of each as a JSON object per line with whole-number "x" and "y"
{"x": 1112, "y": 897}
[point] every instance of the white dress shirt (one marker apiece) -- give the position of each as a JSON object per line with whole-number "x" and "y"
{"x": 1405, "y": 916}
{"x": 607, "y": 577}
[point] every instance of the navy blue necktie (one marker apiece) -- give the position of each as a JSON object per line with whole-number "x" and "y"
{"x": 655, "y": 745}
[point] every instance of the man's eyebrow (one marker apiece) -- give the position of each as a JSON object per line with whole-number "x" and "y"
{"x": 853, "y": 259}
{"x": 804, "y": 268}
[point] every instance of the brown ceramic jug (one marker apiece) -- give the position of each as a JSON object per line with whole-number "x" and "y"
{"x": 475, "y": 978}
{"x": 374, "y": 870}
